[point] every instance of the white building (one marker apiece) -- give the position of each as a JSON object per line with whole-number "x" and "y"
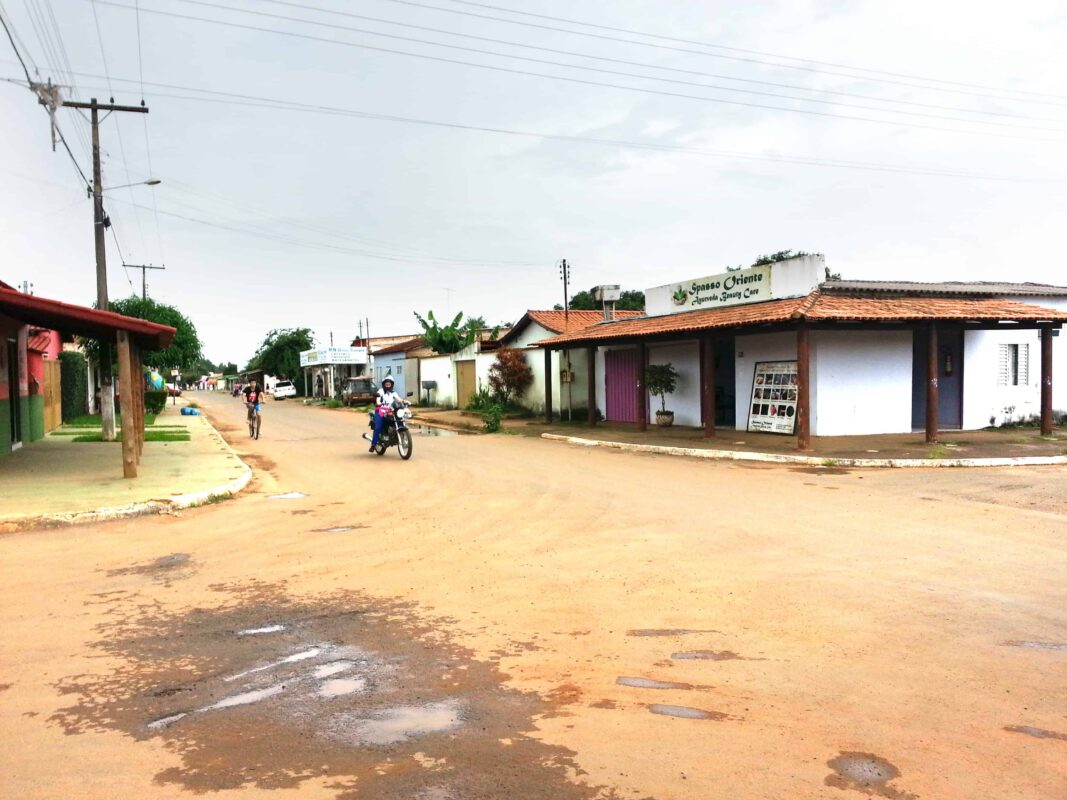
{"x": 778, "y": 348}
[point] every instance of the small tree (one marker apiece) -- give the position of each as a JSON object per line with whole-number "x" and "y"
{"x": 510, "y": 375}
{"x": 661, "y": 380}
{"x": 449, "y": 338}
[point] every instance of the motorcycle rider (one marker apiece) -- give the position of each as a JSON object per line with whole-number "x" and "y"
{"x": 387, "y": 398}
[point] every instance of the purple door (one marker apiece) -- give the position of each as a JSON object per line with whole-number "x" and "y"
{"x": 620, "y": 383}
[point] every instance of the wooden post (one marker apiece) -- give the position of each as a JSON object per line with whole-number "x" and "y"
{"x": 590, "y": 357}
{"x": 129, "y": 407}
{"x": 803, "y": 387}
{"x": 707, "y": 383}
{"x": 1046, "y": 380}
{"x": 932, "y": 402}
{"x": 642, "y": 394}
{"x": 137, "y": 377}
{"x": 548, "y": 385}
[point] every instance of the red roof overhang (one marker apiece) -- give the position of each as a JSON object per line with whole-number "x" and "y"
{"x": 82, "y": 321}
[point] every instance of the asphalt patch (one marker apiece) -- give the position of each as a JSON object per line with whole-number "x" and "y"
{"x": 349, "y": 684}
{"x": 1037, "y": 733}
{"x": 175, "y": 566}
{"x": 665, "y": 631}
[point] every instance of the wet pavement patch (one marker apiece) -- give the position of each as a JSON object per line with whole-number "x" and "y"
{"x": 339, "y": 528}
{"x": 650, "y": 683}
{"x": 286, "y": 496}
{"x": 866, "y": 773}
{"x": 164, "y": 568}
{"x": 1037, "y": 733}
{"x": 270, "y": 691}
{"x": 429, "y": 430}
{"x": 707, "y": 655}
{"x": 665, "y": 631}
{"x": 1038, "y": 645}
{"x": 685, "y": 712}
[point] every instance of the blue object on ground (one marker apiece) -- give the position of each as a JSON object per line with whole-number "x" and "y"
{"x": 190, "y": 412}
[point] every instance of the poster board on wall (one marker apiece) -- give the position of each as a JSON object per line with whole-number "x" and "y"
{"x": 773, "y": 406}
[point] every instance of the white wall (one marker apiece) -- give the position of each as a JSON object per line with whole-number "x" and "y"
{"x": 760, "y": 347}
{"x": 861, "y": 382}
{"x": 440, "y": 369}
{"x": 685, "y": 402}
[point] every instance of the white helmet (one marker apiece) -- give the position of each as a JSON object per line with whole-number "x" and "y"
{"x": 388, "y": 378}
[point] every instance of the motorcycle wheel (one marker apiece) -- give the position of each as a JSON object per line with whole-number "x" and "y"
{"x": 380, "y": 449}
{"x": 403, "y": 444}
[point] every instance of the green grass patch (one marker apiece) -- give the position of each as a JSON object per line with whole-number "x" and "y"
{"x": 938, "y": 451}
{"x": 149, "y": 436}
{"x": 93, "y": 421}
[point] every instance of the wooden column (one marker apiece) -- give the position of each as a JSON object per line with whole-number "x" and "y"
{"x": 932, "y": 402}
{"x": 707, "y": 384}
{"x": 137, "y": 377}
{"x": 548, "y": 385}
{"x": 590, "y": 400}
{"x": 1046, "y": 380}
{"x": 642, "y": 394}
{"x": 129, "y": 407}
{"x": 803, "y": 387}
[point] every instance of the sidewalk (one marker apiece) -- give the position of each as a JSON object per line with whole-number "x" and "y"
{"x": 996, "y": 446}
{"x": 57, "y": 481}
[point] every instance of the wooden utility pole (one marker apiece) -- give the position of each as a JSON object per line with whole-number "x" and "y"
{"x": 100, "y": 225}
{"x": 144, "y": 270}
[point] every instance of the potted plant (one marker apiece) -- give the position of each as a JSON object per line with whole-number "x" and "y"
{"x": 661, "y": 380}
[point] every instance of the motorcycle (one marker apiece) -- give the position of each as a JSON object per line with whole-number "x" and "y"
{"x": 394, "y": 429}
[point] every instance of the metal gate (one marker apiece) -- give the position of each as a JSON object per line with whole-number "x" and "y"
{"x": 465, "y": 382}
{"x": 620, "y": 385}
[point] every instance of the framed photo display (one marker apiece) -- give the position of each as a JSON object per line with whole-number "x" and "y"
{"x": 773, "y": 408}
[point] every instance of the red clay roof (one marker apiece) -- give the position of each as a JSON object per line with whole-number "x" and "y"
{"x": 82, "y": 321}
{"x": 570, "y": 321}
{"x": 815, "y": 307}
{"x": 401, "y": 347}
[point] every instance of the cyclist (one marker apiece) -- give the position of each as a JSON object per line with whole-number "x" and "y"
{"x": 253, "y": 398}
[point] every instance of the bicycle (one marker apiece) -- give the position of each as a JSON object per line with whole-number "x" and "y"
{"x": 254, "y": 422}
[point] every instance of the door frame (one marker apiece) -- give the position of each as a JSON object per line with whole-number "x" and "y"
{"x": 14, "y": 394}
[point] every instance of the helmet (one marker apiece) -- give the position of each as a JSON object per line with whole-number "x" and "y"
{"x": 388, "y": 379}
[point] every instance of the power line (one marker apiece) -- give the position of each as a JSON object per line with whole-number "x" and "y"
{"x": 737, "y": 58}
{"x": 144, "y": 119}
{"x": 646, "y": 65}
{"x": 580, "y": 81}
{"x": 11, "y": 39}
{"x": 232, "y": 98}
{"x": 599, "y": 70}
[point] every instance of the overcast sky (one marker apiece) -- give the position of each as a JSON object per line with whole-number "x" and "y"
{"x": 273, "y": 216}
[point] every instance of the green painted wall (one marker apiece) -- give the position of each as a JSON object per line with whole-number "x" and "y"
{"x": 33, "y": 418}
{"x": 5, "y": 428}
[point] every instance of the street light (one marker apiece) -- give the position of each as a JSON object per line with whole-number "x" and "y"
{"x": 149, "y": 182}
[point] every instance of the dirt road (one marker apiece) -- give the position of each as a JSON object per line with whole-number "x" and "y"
{"x": 506, "y": 617}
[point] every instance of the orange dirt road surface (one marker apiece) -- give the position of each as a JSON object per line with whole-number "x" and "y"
{"x": 503, "y": 617}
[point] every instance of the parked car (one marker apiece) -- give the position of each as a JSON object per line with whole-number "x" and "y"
{"x": 283, "y": 389}
{"x": 358, "y": 391}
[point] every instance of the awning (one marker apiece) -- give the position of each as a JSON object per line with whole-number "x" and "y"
{"x": 816, "y": 307}
{"x": 83, "y": 321}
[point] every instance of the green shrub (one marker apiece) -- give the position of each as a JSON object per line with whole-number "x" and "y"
{"x": 155, "y": 402}
{"x": 481, "y": 400}
{"x": 74, "y": 385}
{"x": 333, "y": 402}
{"x": 491, "y": 418}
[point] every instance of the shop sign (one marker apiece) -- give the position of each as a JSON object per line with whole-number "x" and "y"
{"x": 752, "y": 285}
{"x": 333, "y": 355}
{"x": 773, "y": 408}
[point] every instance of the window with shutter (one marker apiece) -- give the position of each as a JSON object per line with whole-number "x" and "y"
{"x": 1014, "y": 365}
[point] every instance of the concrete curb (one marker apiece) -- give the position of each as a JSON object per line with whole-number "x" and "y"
{"x": 164, "y": 506}
{"x": 812, "y": 461}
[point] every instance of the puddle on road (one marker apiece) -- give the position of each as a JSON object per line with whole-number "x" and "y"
{"x": 404, "y": 722}
{"x": 427, "y": 430}
{"x": 264, "y": 629}
{"x": 649, "y": 683}
{"x": 1038, "y": 645}
{"x": 350, "y": 691}
{"x": 339, "y": 528}
{"x": 286, "y": 496}
{"x": 867, "y": 773}
{"x": 709, "y": 655}
{"x": 665, "y": 631}
{"x": 685, "y": 712}
{"x": 1037, "y": 733}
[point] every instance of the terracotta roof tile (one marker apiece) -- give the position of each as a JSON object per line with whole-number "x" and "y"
{"x": 815, "y": 307}
{"x": 568, "y": 322}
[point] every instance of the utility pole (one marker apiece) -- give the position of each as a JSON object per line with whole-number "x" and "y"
{"x": 565, "y": 361}
{"x": 565, "y": 273}
{"x": 144, "y": 269}
{"x": 100, "y": 224}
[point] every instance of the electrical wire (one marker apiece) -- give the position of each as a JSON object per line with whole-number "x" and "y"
{"x": 581, "y": 81}
{"x": 11, "y": 38}
{"x": 147, "y": 143}
{"x": 232, "y": 98}
{"x": 645, "y": 65}
{"x": 761, "y": 62}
